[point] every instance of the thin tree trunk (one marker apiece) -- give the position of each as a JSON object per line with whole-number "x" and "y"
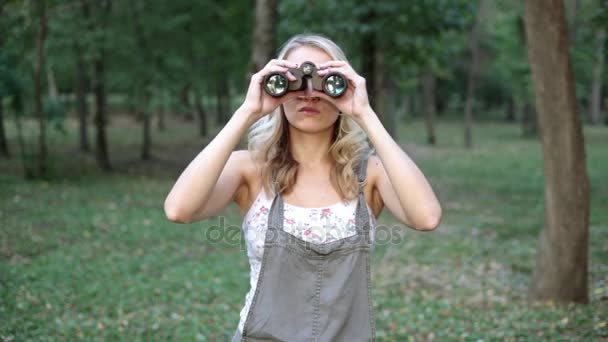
{"x": 222, "y": 100}
{"x": 184, "y": 95}
{"x": 529, "y": 120}
{"x": 368, "y": 55}
{"x": 161, "y": 126}
{"x": 101, "y": 146}
{"x": 144, "y": 81}
{"x": 103, "y": 9}
{"x": 81, "y": 102}
{"x": 82, "y": 85}
{"x": 3, "y": 143}
{"x": 52, "y": 84}
{"x": 429, "y": 89}
{"x": 385, "y": 101}
{"x": 4, "y": 151}
{"x": 573, "y": 6}
{"x": 472, "y": 79}
{"x": 40, "y": 40}
{"x": 264, "y": 34}
{"x": 561, "y": 265}
{"x": 147, "y": 139}
{"x": 202, "y": 116}
{"x": 595, "y": 102}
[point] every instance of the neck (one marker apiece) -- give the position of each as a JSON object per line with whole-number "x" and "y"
{"x": 311, "y": 150}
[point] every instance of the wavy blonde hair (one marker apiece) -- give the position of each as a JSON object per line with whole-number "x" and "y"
{"x": 268, "y": 138}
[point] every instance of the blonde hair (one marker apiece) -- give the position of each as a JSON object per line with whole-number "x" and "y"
{"x": 270, "y": 144}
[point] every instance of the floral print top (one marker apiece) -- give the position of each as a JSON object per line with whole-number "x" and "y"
{"x": 317, "y": 225}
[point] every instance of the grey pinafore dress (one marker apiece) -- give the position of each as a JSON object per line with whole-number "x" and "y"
{"x": 313, "y": 292}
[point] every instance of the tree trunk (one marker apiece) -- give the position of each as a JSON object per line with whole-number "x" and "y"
{"x": 529, "y": 122}
{"x": 385, "y": 88}
{"x": 143, "y": 81}
{"x": 573, "y": 6}
{"x": 202, "y": 116}
{"x": 429, "y": 89}
{"x": 184, "y": 95}
{"x": 561, "y": 265}
{"x": 147, "y": 138}
{"x": 81, "y": 102}
{"x": 102, "y": 11}
{"x": 40, "y": 40}
{"x": 162, "y": 111}
{"x": 3, "y": 143}
{"x": 595, "y": 102}
{"x": 368, "y": 55}
{"x": 51, "y": 83}
{"x": 82, "y": 84}
{"x": 472, "y": 79}
{"x": 101, "y": 146}
{"x": 4, "y": 151}
{"x": 222, "y": 100}
{"x": 264, "y": 34}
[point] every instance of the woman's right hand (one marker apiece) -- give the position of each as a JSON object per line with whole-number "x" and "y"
{"x": 257, "y": 102}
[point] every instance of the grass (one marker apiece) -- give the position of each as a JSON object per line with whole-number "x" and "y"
{"x": 90, "y": 256}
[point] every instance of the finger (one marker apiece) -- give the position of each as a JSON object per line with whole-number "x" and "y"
{"x": 351, "y": 76}
{"x": 275, "y": 69}
{"x": 283, "y": 63}
{"x": 332, "y": 64}
{"x": 344, "y": 69}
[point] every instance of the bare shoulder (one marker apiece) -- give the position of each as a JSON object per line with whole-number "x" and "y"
{"x": 374, "y": 168}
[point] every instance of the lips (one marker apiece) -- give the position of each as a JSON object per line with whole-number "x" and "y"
{"x": 310, "y": 110}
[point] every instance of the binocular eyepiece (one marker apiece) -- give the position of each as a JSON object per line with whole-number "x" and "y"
{"x": 333, "y": 84}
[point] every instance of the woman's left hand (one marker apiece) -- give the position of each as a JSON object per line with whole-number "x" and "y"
{"x": 355, "y": 102}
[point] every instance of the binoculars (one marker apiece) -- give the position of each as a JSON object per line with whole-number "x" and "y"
{"x": 333, "y": 84}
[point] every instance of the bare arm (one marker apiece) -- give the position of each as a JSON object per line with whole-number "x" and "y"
{"x": 211, "y": 180}
{"x": 402, "y": 187}
{"x": 215, "y": 173}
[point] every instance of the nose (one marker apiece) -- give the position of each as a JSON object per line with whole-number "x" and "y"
{"x": 309, "y": 89}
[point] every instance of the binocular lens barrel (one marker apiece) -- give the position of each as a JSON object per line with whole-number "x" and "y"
{"x": 334, "y": 85}
{"x": 276, "y": 85}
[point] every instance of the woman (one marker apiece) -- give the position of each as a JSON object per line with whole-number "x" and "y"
{"x": 310, "y": 191}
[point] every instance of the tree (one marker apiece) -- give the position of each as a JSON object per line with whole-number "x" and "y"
{"x": 429, "y": 93}
{"x": 595, "y": 101}
{"x": 41, "y": 13}
{"x": 142, "y": 86}
{"x": 561, "y": 264}
{"x": 99, "y": 85}
{"x": 473, "y": 70}
{"x": 81, "y": 86}
{"x": 264, "y": 33}
{"x": 4, "y": 151}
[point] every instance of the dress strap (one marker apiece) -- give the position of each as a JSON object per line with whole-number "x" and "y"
{"x": 362, "y": 221}
{"x": 275, "y": 216}
{"x": 362, "y": 170}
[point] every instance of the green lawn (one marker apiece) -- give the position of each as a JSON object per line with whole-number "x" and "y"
{"x": 91, "y": 256}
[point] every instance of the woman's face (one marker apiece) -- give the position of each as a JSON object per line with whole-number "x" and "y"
{"x": 310, "y": 113}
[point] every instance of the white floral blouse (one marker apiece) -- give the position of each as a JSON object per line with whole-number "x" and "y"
{"x": 318, "y": 225}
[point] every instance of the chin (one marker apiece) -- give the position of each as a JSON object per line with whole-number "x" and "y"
{"x": 311, "y": 128}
